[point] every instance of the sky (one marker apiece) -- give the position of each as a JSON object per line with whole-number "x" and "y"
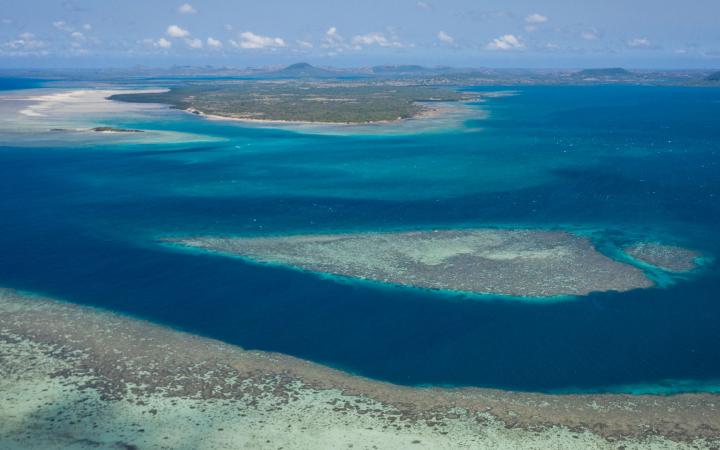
{"x": 344, "y": 33}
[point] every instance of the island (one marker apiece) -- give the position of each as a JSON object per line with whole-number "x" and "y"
{"x": 115, "y": 130}
{"x": 670, "y": 258}
{"x": 525, "y": 263}
{"x": 102, "y": 129}
{"x": 298, "y": 100}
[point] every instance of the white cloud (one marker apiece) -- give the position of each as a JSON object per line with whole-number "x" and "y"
{"x": 333, "y": 38}
{"x": 334, "y": 41}
{"x": 62, "y": 25}
{"x": 445, "y": 38}
{"x": 162, "y": 43}
{"x": 75, "y": 34}
{"x": 375, "y": 38}
{"x": 506, "y": 42}
{"x": 177, "y": 32}
{"x": 250, "y": 40}
{"x": 533, "y": 21}
{"x": 186, "y": 8}
{"x": 639, "y": 42}
{"x": 423, "y": 5}
{"x": 536, "y": 19}
{"x": 26, "y": 41}
{"x": 589, "y": 35}
{"x": 214, "y": 43}
{"x": 24, "y": 44}
{"x": 305, "y": 44}
{"x": 194, "y": 43}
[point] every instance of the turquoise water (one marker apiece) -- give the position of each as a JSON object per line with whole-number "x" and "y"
{"x": 617, "y": 163}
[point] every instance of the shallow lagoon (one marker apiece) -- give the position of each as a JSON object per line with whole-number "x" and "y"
{"x": 82, "y": 223}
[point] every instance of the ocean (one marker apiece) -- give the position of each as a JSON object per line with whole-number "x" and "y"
{"x": 84, "y": 223}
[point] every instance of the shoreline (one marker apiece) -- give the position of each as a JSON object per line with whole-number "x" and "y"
{"x": 42, "y": 116}
{"x": 425, "y": 114}
{"x": 74, "y": 97}
{"x": 131, "y": 378}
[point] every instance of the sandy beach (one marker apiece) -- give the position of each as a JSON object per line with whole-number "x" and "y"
{"x": 81, "y": 101}
{"x": 435, "y": 117}
{"x": 45, "y": 115}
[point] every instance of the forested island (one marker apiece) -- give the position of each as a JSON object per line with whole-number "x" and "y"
{"x": 302, "y": 101}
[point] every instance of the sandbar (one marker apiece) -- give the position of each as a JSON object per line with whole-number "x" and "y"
{"x": 48, "y": 116}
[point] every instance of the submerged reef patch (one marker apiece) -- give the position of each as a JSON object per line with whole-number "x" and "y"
{"x": 527, "y": 263}
{"x": 670, "y": 258}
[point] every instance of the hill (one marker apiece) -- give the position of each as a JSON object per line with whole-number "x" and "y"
{"x": 302, "y": 70}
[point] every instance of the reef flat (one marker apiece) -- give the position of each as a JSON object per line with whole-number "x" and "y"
{"x": 528, "y": 263}
{"x": 666, "y": 257}
{"x": 78, "y": 377}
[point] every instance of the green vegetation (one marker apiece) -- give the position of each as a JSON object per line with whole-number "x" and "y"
{"x": 399, "y": 69}
{"x": 605, "y": 72}
{"x": 115, "y": 130}
{"x": 334, "y": 102}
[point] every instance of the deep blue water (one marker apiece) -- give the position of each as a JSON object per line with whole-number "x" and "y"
{"x": 14, "y": 83}
{"x": 618, "y": 162}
